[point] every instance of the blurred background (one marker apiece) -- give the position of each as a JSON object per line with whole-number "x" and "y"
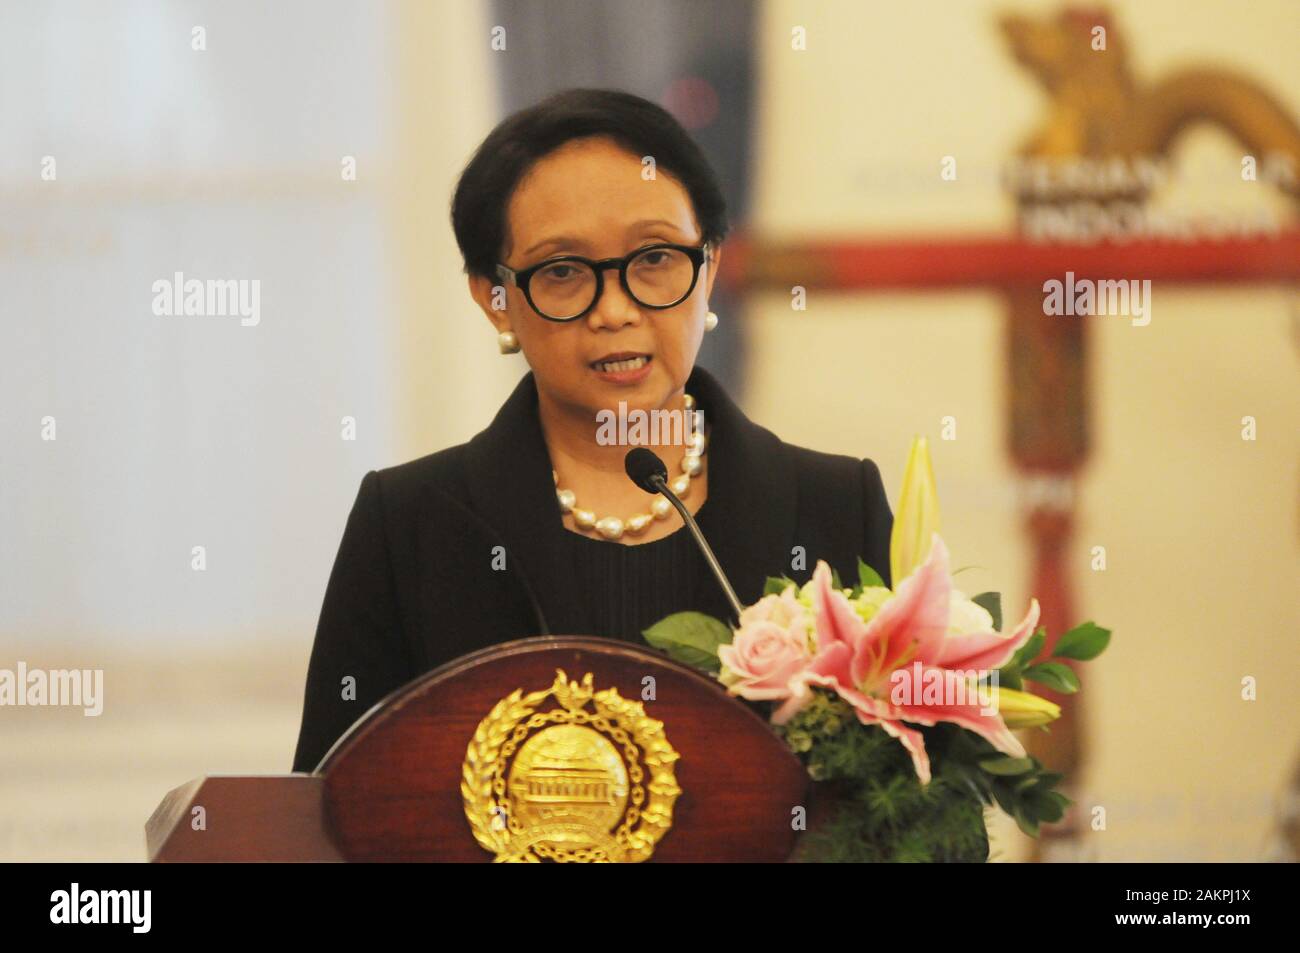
{"x": 884, "y": 281}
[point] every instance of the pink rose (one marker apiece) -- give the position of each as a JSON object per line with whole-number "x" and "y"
{"x": 785, "y": 610}
{"x": 763, "y": 658}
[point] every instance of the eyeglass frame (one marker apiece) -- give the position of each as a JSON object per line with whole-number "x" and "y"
{"x": 522, "y": 278}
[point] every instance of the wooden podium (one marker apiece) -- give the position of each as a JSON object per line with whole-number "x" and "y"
{"x": 414, "y": 778}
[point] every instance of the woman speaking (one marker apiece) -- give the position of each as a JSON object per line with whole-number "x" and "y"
{"x": 591, "y": 226}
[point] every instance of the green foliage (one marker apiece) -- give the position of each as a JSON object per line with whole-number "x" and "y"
{"x": 1082, "y": 643}
{"x": 1021, "y": 787}
{"x": 868, "y": 577}
{"x": 992, "y": 603}
{"x": 1010, "y": 674}
{"x": 1055, "y": 675}
{"x": 690, "y": 637}
{"x": 869, "y": 805}
{"x": 1007, "y": 766}
{"x": 776, "y": 585}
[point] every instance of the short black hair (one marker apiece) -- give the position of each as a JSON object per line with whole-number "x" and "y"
{"x": 478, "y": 207}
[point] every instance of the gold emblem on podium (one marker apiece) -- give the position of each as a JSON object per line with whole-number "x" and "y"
{"x": 588, "y": 779}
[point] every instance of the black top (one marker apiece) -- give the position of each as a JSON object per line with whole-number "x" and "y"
{"x": 628, "y": 588}
{"x": 466, "y": 548}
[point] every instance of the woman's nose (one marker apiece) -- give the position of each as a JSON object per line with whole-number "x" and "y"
{"x": 615, "y": 309}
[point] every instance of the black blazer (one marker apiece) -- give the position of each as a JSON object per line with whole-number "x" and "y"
{"x": 414, "y": 586}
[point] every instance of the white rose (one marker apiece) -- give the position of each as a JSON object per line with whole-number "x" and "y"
{"x": 965, "y": 616}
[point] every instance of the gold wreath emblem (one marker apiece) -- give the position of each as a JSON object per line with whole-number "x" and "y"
{"x": 589, "y": 780}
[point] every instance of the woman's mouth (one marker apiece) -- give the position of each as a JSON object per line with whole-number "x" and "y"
{"x": 623, "y": 368}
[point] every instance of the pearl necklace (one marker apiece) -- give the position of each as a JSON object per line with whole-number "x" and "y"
{"x": 611, "y": 527}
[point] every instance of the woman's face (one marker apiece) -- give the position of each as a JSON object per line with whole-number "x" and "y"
{"x": 589, "y": 198}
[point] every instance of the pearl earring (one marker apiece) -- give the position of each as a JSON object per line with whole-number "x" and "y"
{"x": 507, "y": 342}
{"x": 710, "y": 321}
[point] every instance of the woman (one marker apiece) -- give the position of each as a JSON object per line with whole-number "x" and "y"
{"x": 591, "y": 227}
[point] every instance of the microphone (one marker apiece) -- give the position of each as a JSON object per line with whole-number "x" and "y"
{"x": 647, "y": 471}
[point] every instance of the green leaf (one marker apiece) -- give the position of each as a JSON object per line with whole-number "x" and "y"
{"x": 992, "y": 602}
{"x": 1083, "y": 642}
{"x": 1024, "y": 655}
{"x": 1010, "y": 680}
{"x": 1054, "y": 675}
{"x": 690, "y": 637}
{"x": 1007, "y": 766}
{"x": 868, "y": 577}
{"x": 1026, "y": 822}
{"x": 1060, "y": 799}
{"x": 776, "y": 585}
{"x": 835, "y": 579}
{"x": 1044, "y": 806}
{"x": 1005, "y": 799}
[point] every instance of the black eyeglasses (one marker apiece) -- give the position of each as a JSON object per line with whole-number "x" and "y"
{"x": 566, "y": 288}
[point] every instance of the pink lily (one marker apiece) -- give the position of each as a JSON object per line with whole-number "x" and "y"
{"x": 908, "y": 636}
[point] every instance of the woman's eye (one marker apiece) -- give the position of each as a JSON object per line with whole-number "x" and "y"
{"x": 558, "y": 272}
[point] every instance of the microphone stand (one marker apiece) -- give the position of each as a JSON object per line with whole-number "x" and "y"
{"x": 661, "y": 484}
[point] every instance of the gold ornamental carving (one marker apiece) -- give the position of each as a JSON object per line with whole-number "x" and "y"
{"x": 569, "y": 774}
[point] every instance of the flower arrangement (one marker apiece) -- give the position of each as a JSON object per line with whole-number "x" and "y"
{"x": 901, "y": 703}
